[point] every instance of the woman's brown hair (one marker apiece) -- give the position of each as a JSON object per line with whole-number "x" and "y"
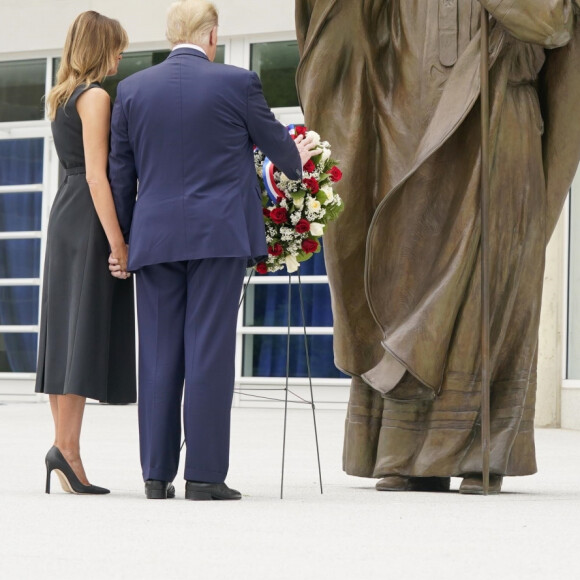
{"x": 92, "y": 44}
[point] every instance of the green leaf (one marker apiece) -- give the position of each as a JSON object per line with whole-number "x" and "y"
{"x": 303, "y": 256}
{"x": 301, "y": 194}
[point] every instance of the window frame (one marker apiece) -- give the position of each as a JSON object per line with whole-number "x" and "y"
{"x": 13, "y": 383}
{"x": 331, "y": 393}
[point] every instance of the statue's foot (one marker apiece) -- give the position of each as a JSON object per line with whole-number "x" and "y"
{"x": 393, "y": 483}
{"x": 473, "y": 484}
{"x": 402, "y": 483}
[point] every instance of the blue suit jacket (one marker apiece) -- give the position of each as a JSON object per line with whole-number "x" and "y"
{"x": 185, "y": 131}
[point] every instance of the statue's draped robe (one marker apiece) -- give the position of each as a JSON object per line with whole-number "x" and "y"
{"x": 394, "y": 86}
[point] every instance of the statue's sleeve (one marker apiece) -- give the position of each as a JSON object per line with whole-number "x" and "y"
{"x": 545, "y": 22}
{"x": 303, "y": 12}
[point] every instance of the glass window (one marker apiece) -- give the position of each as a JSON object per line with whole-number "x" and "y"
{"x": 268, "y": 356}
{"x": 20, "y": 212}
{"x": 20, "y": 258}
{"x": 18, "y": 352}
{"x": 22, "y": 87}
{"x": 266, "y": 305}
{"x": 133, "y": 62}
{"x": 19, "y": 305}
{"x": 21, "y": 172}
{"x": 21, "y": 161}
{"x": 220, "y": 55}
{"x": 276, "y": 64}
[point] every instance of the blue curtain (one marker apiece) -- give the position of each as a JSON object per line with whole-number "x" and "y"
{"x": 271, "y": 309}
{"x": 21, "y": 162}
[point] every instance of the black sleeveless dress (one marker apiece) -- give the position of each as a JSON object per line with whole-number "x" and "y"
{"x": 87, "y": 328}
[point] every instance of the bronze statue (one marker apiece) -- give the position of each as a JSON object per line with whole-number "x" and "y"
{"x": 394, "y": 86}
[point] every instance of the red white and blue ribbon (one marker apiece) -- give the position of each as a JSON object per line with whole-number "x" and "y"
{"x": 273, "y": 191}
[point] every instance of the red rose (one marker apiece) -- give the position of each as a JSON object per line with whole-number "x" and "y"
{"x": 335, "y": 174}
{"x": 279, "y": 215}
{"x": 302, "y": 226}
{"x": 309, "y": 166}
{"x": 266, "y": 212}
{"x": 275, "y": 250}
{"x": 312, "y": 185}
{"x": 262, "y": 268}
{"x": 301, "y": 130}
{"x": 309, "y": 245}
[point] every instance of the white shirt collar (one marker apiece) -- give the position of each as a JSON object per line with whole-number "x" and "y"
{"x": 185, "y": 45}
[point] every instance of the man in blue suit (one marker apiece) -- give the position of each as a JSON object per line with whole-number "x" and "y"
{"x": 185, "y": 130}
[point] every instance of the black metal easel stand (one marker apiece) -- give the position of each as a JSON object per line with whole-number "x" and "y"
{"x": 287, "y": 391}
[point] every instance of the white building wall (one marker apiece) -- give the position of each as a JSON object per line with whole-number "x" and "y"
{"x": 570, "y": 418}
{"x": 552, "y": 330}
{"x": 41, "y": 25}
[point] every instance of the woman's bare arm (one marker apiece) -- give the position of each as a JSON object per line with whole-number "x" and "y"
{"x": 94, "y": 108}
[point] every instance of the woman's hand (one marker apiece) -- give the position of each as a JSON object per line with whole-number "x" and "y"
{"x": 118, "y": 263}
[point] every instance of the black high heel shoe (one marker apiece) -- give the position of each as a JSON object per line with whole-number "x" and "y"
{"x": 69, "y": 481}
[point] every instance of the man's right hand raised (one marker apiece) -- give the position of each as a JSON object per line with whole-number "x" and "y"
{"x": 306, "y": 148}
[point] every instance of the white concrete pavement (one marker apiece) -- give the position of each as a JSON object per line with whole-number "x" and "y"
{"x": 531, "y": 530}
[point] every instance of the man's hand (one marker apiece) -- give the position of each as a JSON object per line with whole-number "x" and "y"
{"x": 118, "y": 265}
{"x": 306, "y": 148}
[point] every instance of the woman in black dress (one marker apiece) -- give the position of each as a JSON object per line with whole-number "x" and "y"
{"x": 86, "y": 346}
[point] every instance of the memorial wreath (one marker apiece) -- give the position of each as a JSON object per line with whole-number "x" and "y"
{"x": 297, "y": 212}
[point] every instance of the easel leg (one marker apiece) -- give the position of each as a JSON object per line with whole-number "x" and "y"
{"x": 310, "y": 380}
{"x": 287, "y": 381}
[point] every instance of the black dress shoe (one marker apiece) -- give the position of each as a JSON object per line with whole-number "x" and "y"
{"x": 155, "y": 489}
{"x": 198, "y": 491}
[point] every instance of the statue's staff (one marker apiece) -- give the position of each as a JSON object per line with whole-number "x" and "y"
{"x": 485, "y": 354}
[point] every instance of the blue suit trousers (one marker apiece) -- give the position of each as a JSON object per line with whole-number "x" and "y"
{"x": 187, "y": 313}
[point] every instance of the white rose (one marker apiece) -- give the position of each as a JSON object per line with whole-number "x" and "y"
{"x": 315, "y": 137}
{"x": 327, "y": 190}
{"x": 325, "y": 154}
{"x": 316, "y": 229}
{"x": 291, "y": 263}
{"x": 313, "y": 204}
{"x": 299, "y": 202}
